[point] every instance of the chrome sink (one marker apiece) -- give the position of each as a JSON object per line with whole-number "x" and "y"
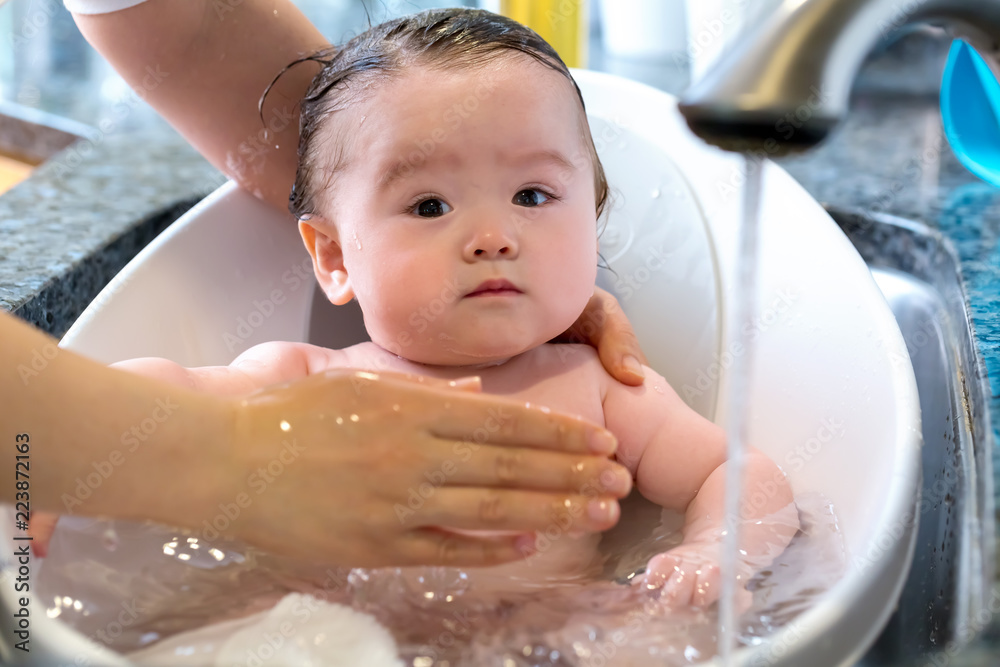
{"x": 953, "y": 565}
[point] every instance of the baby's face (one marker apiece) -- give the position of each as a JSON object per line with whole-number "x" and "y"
{"x": 463, "y": 219}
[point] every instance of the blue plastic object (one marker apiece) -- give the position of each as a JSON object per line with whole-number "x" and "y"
{"x": 970, "y": 109}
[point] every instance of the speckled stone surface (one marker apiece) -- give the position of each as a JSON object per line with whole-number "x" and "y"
{"x": 79, "y": 218}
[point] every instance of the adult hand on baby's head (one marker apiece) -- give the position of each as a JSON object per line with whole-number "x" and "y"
{"x": 689, "y": 575}
{"x": 604, "y": 325}
{"x": 373, "y": 466}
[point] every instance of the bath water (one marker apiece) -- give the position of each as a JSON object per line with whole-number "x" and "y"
{"x": 146, "y": 588}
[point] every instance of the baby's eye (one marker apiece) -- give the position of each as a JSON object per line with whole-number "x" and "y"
{"x": 530, "y": 197}
{"x": 432, "y": 208}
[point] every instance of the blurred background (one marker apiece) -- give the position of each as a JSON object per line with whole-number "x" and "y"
{"x": 46, "y": 64}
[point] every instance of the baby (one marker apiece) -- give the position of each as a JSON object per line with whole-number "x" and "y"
{"x": 448, "y": 181}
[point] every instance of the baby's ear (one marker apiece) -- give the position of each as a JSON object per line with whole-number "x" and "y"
{"x": 321, "y": 241}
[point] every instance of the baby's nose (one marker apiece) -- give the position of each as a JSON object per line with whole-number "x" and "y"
{"x": 491, "y": 245}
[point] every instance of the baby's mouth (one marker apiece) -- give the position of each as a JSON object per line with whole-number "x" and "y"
{"x": 496, "y": 287}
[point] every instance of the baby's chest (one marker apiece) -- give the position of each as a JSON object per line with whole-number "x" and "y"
{"x": 550, "y": 377}
{"x": 572, "y": 389}
{"x": 564, "y": 395}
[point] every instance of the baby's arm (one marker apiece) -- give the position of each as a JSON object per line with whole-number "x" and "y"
{"x": 260, "y": 366}
{"x": 678, "y": 459}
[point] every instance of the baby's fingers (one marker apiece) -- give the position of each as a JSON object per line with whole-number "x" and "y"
{"x": 677, "y": 580}
{"x": 41, "y": 527}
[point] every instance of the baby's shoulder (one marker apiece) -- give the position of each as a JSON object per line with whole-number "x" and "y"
{"x": 565, "y": 357}
{"x": 370, "y": 357}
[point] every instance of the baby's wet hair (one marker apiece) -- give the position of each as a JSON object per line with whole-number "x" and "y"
{"x": 452, "y": 38}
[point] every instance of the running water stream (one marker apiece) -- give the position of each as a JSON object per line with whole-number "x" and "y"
{"x": 739, "y": 405}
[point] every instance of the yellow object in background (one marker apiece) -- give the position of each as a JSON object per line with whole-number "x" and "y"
{"x": 12, "y": 171}
{"x": 562, "y": 23}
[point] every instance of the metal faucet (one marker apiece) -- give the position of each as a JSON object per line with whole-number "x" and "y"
{"x": 785, "y": 83}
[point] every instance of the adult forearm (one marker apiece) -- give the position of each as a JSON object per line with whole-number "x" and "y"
{"x": 101, "y": 441}
{"x": 204, "y": 65}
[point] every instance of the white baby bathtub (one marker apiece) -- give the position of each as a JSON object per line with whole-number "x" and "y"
{"x": 231, "y": 274}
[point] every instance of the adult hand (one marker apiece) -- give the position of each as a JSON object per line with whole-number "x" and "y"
{"x": 369, "y": 470}
{"x": 604, "y": 326}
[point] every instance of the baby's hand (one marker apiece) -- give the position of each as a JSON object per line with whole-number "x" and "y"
{"x": 40, "y": 527}
{"x": 689, "y": 575}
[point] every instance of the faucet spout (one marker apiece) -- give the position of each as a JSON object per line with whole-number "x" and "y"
{"x": 786, "y": 83}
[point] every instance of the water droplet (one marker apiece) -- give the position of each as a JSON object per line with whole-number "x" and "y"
{"x": 357, "y": 241}
{"x": 545, "y": 409}
{"x": 658, "y": 389}
{"x": 395, "y": 407}
{"x": 285, "y": 426}
{"x": 656, "y": 193}
{"x": 355, "y": 418}
{"x": 340, "y": 420}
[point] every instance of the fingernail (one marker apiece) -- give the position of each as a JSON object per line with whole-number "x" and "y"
{"x": 525, "y": 544}
{"x": 602, "y": 442}
{"x": 602, "y": 511}
{"x": 633, "y": 366}
{"x": 617, "y": 481}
